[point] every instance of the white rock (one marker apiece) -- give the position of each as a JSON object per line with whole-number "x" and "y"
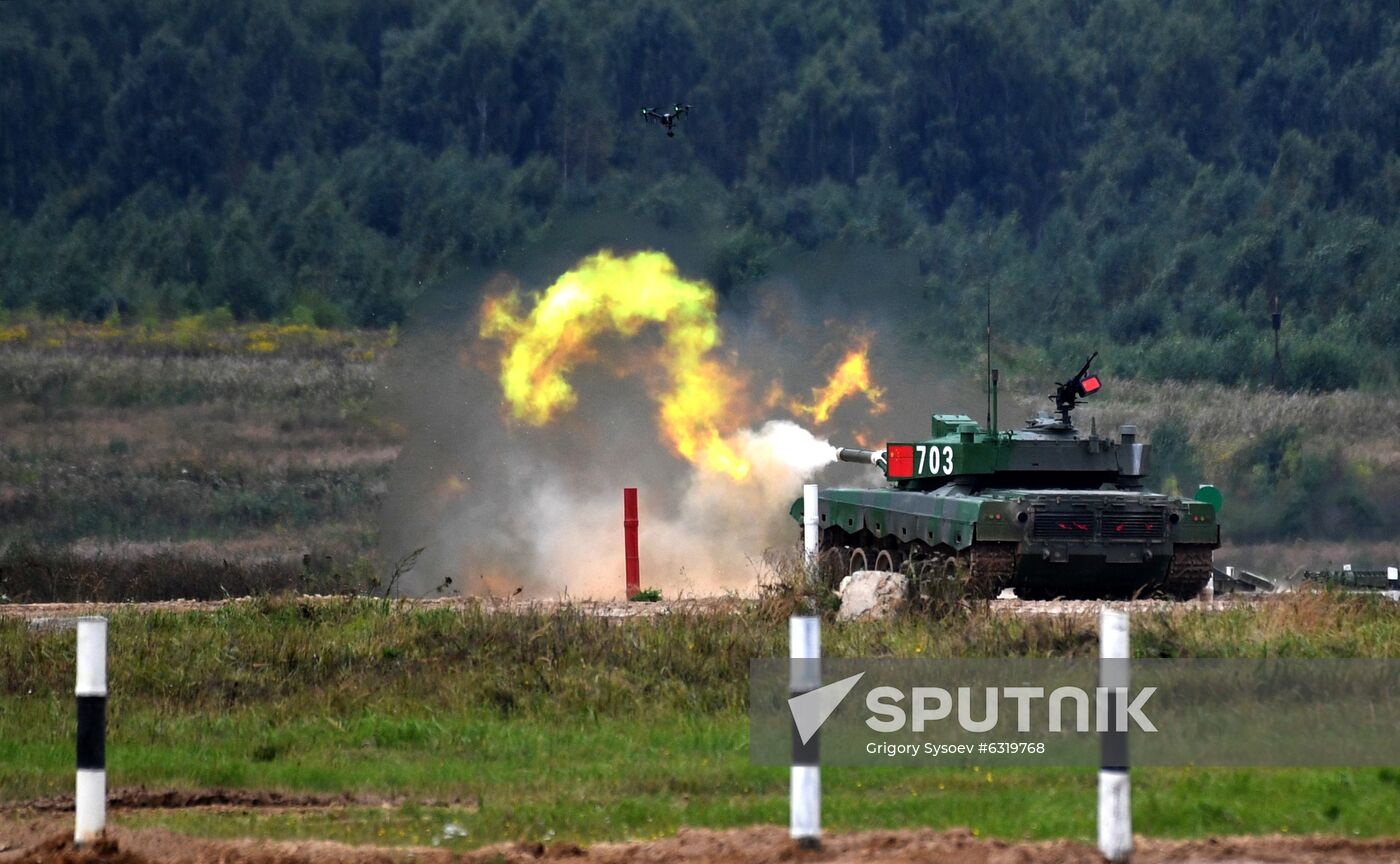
{"x": 872, "y": 595}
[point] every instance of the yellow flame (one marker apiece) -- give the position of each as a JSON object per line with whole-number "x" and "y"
{"x": 620, "y": 295}
{"x": 850, "y": 377}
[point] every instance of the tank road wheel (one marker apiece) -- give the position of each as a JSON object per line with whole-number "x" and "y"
{"x": 915, "y": 563}
{"x": 885, "y": 561}
{"x": 936, "y": 585}
{"x": 859, "y": 561}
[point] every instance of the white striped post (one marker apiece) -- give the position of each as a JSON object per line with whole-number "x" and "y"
{"x": 90, "y": 796}
{"x": 805, "y": 792}
{"x": 1115, "y": 810}
{"x": 1392, "y": 582}
{"x": 811, "y": 525}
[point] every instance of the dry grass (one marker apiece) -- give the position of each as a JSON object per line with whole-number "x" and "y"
{"x": 1214, "y": 414}
{"x": 187, "y": 458}
{"x": 53, "y": 379}
{"x": 210, "y": 334}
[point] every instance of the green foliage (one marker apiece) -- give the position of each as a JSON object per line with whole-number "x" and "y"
{"x": 1290, "y": 485}
{"x": 1143, "y": 173}
{"x": 454, "y": 706}
{"x": 1175, "y": 464}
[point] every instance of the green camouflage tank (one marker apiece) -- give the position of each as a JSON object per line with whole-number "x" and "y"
{"x": 1047, "y": 510}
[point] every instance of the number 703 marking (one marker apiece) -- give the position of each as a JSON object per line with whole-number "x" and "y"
{"x": 938, "y": 461}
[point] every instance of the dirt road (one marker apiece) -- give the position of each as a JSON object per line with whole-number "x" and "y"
{"x": 757, "y": 845}
{"x": 58, "y": 614}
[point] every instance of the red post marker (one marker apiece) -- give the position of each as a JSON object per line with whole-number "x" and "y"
{"x": 629, "y": 533}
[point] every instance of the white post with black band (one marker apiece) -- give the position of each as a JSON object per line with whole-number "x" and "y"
{"x": 805, "y": 651}
{"x": 90, "y": 796}
{"x": 1115, "y": 803}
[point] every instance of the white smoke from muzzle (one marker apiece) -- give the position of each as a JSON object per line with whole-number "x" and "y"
{"x": 715, "y": 539}
{"x": 782, "y": 447}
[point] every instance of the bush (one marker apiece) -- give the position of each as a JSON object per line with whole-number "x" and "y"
{"x": 1320, "y": 365}
{"x": 742, "y": 257}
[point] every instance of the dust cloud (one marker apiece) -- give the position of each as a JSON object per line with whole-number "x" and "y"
{"x": 501, "y": 507}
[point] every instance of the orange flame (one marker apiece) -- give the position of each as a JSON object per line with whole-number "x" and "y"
{"x": 608, "y": 294}
{"x": 852, "y": 376}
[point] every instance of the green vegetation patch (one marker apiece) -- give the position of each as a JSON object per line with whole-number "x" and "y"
{"x": 552, "y": 723}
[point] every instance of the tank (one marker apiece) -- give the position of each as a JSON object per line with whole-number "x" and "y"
{"x": 1048, "y": 510}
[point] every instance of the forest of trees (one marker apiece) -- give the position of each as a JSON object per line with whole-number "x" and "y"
{"x": 1142, "y": 172}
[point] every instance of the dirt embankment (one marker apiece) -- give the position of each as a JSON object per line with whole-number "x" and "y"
{"x": 141, "y": 798}
{"x": 758, "y": 845}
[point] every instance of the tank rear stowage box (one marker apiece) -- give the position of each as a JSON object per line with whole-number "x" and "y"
{"x": 1047, "y": 510}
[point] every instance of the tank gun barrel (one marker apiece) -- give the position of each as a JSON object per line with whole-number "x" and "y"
{"x": 1084, "y": 370}
{"x": 866, "y": 457}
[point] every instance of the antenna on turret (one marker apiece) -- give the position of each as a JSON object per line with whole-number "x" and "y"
{"x": 989, "y": 358}
{"x": 995, "y": 429}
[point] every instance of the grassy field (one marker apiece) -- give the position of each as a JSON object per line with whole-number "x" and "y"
{"x": 542, "y": 725}
{"x": 190, "y": 458}
{"x": 205, "y": 458}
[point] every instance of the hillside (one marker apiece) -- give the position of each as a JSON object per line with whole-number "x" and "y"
{"x": 1144, "y": 173}
{"x": 204, "y": 458}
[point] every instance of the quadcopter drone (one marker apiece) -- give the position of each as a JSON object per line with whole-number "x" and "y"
{"x": 668, "y": 118}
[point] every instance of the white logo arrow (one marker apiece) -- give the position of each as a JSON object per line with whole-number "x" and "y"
{"x": 810, "y": 710}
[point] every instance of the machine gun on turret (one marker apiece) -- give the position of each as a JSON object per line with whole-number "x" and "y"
{"x": 1069, "y": 394}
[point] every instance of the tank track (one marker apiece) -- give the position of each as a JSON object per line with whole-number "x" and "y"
{"x": 1188, "y": 572}
{"x": 992, "y": 568}
{"x": 987, "y": 568}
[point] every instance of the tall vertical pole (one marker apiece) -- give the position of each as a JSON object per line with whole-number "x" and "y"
{"x": 996, "y": 373}
{"x": 1276, "y": 320}
{"x": 805, "y": 792}
{"x": 811, "y": 525}
{"x": 629, "y": 537}
{"x": 1115, "y": 806}
{"x": 90, "y": 796}
{"x": 989, "y": 357}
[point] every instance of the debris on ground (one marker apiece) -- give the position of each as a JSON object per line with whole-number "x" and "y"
{"x": 872, "y": 595}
